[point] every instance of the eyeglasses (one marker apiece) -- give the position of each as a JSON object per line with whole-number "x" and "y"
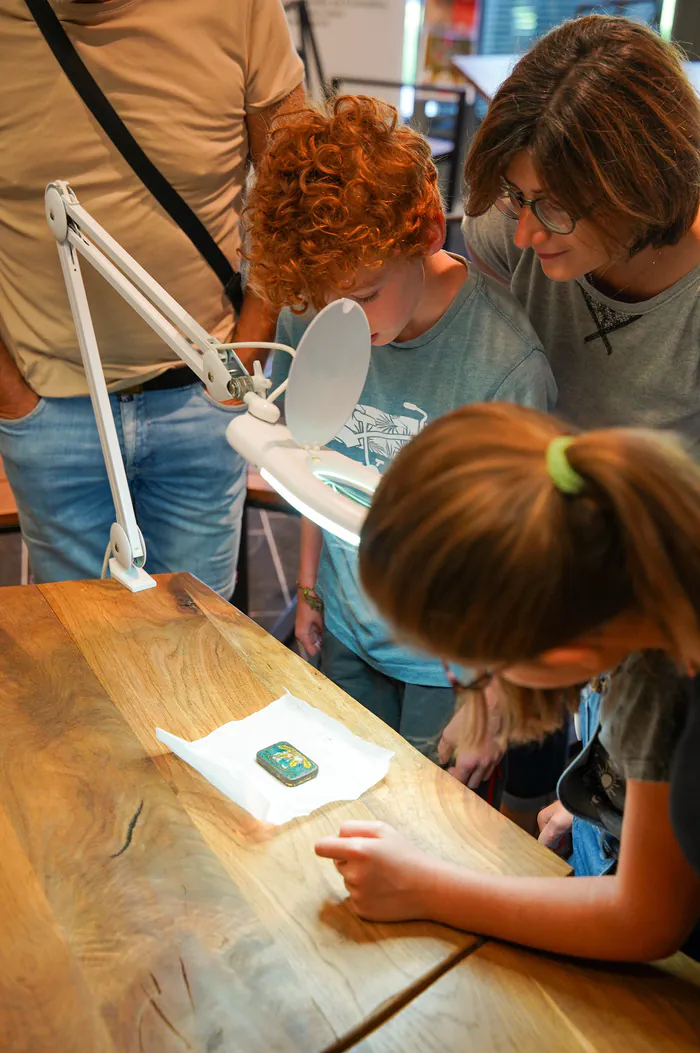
{"x": 555, "y": 219}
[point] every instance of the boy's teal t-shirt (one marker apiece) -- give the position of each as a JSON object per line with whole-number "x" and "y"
{"x": 483, "y": 349}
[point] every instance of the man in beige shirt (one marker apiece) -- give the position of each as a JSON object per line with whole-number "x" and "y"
{"x": 197, "y": 85}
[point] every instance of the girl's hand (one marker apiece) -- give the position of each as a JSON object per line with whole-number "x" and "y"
{"x": 387, "y": 877}
{"x": 555, "y": 828}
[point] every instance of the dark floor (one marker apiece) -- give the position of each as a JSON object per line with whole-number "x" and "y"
{"x": 10, "y": 559}
{"x": 273, "y": 546}
{"x": 273, "y": 555}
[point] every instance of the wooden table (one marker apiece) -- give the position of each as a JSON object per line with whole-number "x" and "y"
{"x": 503, "y": 999}
{"x": 142, "y": 911}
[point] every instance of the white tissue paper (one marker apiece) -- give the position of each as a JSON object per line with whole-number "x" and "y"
{"x": 347, "y": 765}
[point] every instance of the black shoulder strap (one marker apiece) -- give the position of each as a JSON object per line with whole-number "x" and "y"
{"x": 107, "y": 117}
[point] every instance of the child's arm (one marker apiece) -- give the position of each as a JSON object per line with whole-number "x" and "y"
{"x": 642, "y": 913}
{"x": 309, "y": 620}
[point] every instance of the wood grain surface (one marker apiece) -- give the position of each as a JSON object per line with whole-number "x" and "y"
{"x": 170, "y": 951}
{"x": 503, "y": 999}
{"x": 171, "y": 920}
{"x": 43, "y": 991}
{"x": 195, "y": 662}
{"x": 142, "y": 911}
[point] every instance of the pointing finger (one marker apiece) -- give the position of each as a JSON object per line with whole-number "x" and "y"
{"x": 341, "y": 849}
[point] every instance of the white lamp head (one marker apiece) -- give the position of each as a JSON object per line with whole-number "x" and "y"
{"x": 325, "y": 382}
{"x": 328, "y": 373}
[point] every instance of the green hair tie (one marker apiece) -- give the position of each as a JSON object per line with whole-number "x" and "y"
{"x": 566, "y": 480}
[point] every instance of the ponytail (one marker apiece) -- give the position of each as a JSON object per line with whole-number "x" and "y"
{"x": 653, "y": 491}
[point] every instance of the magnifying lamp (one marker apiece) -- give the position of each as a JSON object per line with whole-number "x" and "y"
{"x": 325, "y": 381}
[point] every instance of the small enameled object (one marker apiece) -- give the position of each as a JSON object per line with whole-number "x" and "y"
{"x": 287, "y": 763}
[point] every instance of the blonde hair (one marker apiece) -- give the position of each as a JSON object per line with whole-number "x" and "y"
{"x": 471, "y": 551}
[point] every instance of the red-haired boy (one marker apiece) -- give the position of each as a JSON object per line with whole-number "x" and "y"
{"x": 347, "y": 204}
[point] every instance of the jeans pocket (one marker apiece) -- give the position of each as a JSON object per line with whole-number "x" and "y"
{"x": 15, "y": 424}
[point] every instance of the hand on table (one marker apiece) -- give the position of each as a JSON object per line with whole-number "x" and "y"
{"x": 387, "y": 877}
{"x": 471, "y": 766}
{"x": 555, "y": 828}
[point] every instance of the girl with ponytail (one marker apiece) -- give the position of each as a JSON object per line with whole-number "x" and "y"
{"x": 498, "y": 540}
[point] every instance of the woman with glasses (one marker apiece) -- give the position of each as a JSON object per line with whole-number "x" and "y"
{"x": 583, "y": 191}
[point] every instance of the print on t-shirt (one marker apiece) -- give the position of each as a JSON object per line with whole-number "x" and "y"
{"x": 379, "y": 435}
{"x": 607, "y": 320}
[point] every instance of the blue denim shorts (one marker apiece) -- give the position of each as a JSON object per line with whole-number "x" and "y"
{"x": 594, "y": 851}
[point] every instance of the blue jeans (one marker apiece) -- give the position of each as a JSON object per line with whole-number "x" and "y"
{"x": 187, "y": 484}
{"x": 594, "y": 851}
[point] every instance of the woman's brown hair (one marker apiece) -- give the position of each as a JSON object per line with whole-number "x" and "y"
{"x": 471, "y": 550}
{"x": 612, "y": 125}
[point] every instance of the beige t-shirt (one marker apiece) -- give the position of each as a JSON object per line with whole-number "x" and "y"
{"x": 182, "y": 75}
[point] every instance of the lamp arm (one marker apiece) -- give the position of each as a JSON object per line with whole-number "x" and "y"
{"x": 64, "y": 212}
{"x": 125, "y": 539}
{"x": 169, "y": 320}
{"x": 77, "y": 234}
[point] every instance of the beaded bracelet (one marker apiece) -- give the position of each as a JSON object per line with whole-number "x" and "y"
{"x": 310, "y": 598}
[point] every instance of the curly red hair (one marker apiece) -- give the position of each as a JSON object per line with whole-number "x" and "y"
{"x": 340, "y": 187}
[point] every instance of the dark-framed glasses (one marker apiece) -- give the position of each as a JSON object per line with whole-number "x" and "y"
{"x": 553, "y": 218}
